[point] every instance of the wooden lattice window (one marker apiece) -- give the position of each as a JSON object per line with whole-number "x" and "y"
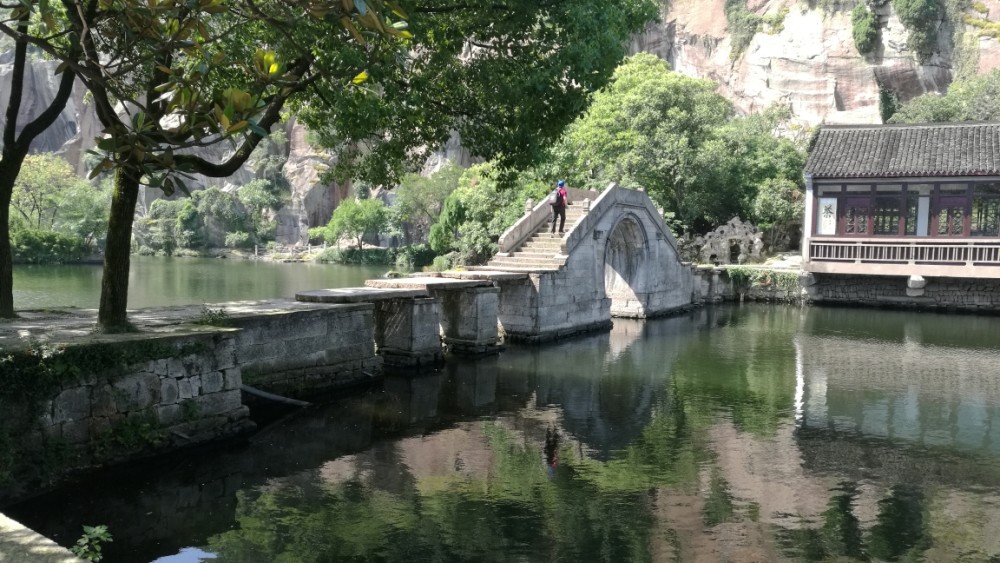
{"x": 887, "y": 214}
{"x": 856, "y": 216}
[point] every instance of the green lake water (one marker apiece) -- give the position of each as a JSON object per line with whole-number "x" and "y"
{"x": 159, "y": 281}
{"x": 738, "y": 433}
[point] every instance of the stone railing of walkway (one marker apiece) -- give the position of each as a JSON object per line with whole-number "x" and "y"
{"x": 536, "y": 216}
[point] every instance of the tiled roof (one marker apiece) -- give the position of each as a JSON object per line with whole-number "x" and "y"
{"x": 893, "y": 151}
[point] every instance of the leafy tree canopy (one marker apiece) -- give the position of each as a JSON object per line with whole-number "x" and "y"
{"x": 380, "y": 82}
{"x": 677, "y": 138}
{"x": 355, "y": 218}
{"x": 420, "y": 199}
{"x": 40, "y": 188}
{"x": 972, "y": 99}
{"x": 481, "y": 209}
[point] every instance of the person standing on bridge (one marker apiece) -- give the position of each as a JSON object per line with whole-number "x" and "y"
{"x": 558, "y": 201}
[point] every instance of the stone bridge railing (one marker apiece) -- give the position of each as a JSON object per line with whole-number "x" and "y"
{"x": 613, "y": 196}
{"x": 536, "y": 216}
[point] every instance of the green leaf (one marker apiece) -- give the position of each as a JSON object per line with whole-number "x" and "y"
{"x": 257, "y": 129}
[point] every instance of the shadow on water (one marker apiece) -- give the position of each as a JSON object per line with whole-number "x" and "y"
{"x": 745, "y": 432}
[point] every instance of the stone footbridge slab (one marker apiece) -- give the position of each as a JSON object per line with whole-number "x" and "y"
{"x": 358, "y": 295}
{"x": 469, "y": 310}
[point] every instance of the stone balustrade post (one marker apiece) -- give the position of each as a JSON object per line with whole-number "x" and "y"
{"x": 586, "y": 205}
{"x": 528, "y": 206}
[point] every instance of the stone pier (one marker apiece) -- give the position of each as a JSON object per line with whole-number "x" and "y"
{"x": 406, "y": 321}
{"x": 468, "y": 311}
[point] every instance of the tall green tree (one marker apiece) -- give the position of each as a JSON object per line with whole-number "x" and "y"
{"x": 420, "y": 199}
{"x": 40, "y": 187}
{"x": 674, "y": 136}
{"x": 17, "y": 135}
{"x": 258, "y": 197}
{"x": 480, "y": 210}
{"x": 382, "y": 83}
{"x": 355, "y": 218}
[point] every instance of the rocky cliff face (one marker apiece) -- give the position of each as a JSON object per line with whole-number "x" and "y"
{"x": 808, "y": 60}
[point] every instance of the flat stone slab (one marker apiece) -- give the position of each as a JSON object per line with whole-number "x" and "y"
{"x": 71, "y": 325}
{"x": 19, "y": 544}
{"x": 428, "y": 283}
{"x": 492, "y": 275}
{"x": 358, "y": 295}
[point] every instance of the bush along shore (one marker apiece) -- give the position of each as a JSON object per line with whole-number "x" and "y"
{"x": 760, "y": 283}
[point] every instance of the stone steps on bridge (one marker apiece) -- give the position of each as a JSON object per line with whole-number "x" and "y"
{"x": 517, "y": 260}
{"x": 541, "y": 252}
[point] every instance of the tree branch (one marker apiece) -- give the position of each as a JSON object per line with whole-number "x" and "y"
{"x": 271, "y": 116}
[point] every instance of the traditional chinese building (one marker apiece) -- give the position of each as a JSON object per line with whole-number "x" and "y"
{"x": 904, "y": 200}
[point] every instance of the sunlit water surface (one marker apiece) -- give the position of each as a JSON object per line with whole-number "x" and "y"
{"x": 747, "y": 433}
{"x": 159, "y": 281}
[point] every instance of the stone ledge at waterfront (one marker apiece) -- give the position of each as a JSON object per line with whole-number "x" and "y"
{"x": 75, "y": 399}
{"x": 22, "y": 545}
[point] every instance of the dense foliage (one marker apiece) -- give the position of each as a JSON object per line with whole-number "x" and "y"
{"x": 407, "y": 258}
{"x": 418, "y": 200}
{"x": 480, "y": 210}
{"x": 354, "y": 219}
{"x": 972, "y": 99}
{"x": 921, "y": 18}
{"x": 33, "y": 246}
{"x": 864, "y": 27}
{"x": 55, "y": 216}
{"x": 209, "y": 218}
{"x": 681, "y": 141}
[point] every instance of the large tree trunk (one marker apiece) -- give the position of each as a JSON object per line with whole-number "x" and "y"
{"x": 6, "y": 263}
{"x": 112, "y": 315}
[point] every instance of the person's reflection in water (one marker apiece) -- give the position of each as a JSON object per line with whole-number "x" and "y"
{"x": 551, "y": 451}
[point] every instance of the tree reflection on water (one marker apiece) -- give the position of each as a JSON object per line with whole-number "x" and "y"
{"x": 739, "y": 434}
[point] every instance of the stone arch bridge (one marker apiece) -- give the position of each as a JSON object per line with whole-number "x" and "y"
{"x": 617, "y": 258}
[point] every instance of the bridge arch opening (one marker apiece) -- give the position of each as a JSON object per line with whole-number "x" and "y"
{"x": 626, "y": 259}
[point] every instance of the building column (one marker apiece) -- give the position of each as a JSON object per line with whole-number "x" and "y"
{"x": 810, "y": 213}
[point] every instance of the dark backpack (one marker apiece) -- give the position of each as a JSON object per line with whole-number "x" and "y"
{"x": 555, "y": 198}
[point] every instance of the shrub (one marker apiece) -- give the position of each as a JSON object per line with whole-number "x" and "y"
{"x": 414, "y": 257}
{"x": 442, "y": 263}
{"x": 865, "y": 29}
{"x": 367, "y": 256}
{"x": 921, "y": 18}
{"x": 33, "y": 246}
{"x": 328, "y": 256}
{"x": 743, "y": 25}
{"x": 239, "y": 239}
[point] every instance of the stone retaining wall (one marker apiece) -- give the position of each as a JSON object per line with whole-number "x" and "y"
{"x": 118, "y": 397}
{"x": 72, "y": 400}
{"x": 321, "y": 347}
{"x": 714, "y": 284}
{"x": 951, "y": 294}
